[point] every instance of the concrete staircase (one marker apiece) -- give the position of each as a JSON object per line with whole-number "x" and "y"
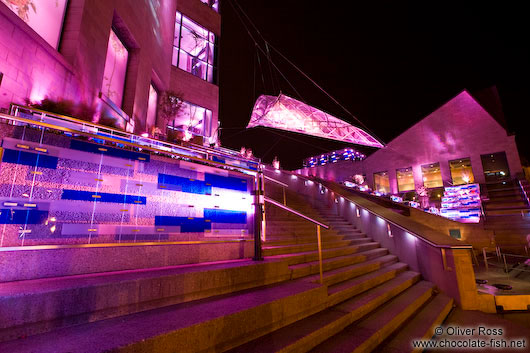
{"x": 368, "y": 298}
{"x": 507, "y": 213}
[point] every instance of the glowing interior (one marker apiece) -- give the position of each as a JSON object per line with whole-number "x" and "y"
{"x": 289, "y": 114}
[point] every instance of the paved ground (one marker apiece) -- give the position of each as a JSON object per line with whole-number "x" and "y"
{"x": 515, "y": 327}
{"x": 520, "y": 284}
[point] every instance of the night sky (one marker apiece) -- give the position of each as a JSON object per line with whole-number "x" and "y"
{"x": 390, "y": 64}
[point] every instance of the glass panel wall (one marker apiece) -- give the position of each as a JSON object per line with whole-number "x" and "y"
{"x": 405, "y": 179}
{"x": 193, "y": 119}
{"x": 382, "y": 182}
{"x": 461, "y": 172}
{"x": 194, "y": 48}
{"x": 44, "y": 16}
{"x": 115, "y": 69}
{"x": 432, "y": 176}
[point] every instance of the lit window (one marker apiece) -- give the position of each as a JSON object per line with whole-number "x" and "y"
{"x": 44, "y": 16}
{"x": 193, "y": 119}
{"x": 432, "y": 176}
{"x": 115, "y": 69}
{"x": 382, "y": 182}
{"x": 405, "y": 179}
{"x": 152, "y": 104}
{"x": 461, "y": 172}
{"x": 194, "y": 49}
{"x": 214, "y": 4}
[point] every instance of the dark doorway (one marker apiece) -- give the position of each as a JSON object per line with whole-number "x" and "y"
{"x": 495, "y": 167}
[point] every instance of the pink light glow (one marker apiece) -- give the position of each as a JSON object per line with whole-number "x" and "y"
{"x": 44, "y": 16}
{"x": 289, "y": 114}
{"x": 152, "y": 106}
{"x": 115, "y": 69}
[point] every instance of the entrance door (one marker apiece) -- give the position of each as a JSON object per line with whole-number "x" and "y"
{"x": 495, "y": 167}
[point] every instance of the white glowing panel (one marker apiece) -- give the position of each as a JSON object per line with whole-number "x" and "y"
{"x": 115, "y": 69}
{"x": 289, "y": 114}
{"x": 44, "y": 16}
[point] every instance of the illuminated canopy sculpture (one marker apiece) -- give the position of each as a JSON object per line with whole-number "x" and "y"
{"x": 289, "y": 114}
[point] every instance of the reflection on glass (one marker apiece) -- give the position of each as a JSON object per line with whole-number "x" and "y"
{"x": 461, "y": 172}
{"x": 115, "y": 69}
{"x": 193, "y": 119}
{"x": 151, "y": 106}
{"x": 382, "y": 182}
{"x": 432, "y": 176}
{"x": 44, "y": 16}
{"x": 405, "y": 179}
{"x": 214, "y": 4}
{"x": 194, "y": 48}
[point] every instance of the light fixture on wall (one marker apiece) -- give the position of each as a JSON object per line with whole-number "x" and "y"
{"x": 389, "y": 231}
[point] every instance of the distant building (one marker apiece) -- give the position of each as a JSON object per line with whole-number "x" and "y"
{"x": 117, "y": 56}
{"x": 461, "y": 142}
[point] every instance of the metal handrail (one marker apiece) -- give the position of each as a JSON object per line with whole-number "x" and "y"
{"x": 130, "y": 144}
{"x": 318, "y": 224}
{"x": 276, "y": 203}
{"x": 441, "y": 246}
{"x": 524, "y": 192}
{"x": 276, "y": 181}
{"x": 150, "y": 142}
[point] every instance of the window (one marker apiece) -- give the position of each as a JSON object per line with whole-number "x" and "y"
{"x": 214, "y": 4}
{"x": 193, "y": 119}
{"x": 432, "y": 176}
{"x": 405, "y": 179}
{"x": 115, "y": 69}
{"x": 461, "y": 172}
{"x": 152, "y": 104}
{"x": 44, "y": 16}
{"x": 381, "y": 182}
{"x": 194, "y": 49}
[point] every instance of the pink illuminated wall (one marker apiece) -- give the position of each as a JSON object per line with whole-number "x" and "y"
{"x": 460, "y": 129}
{"x": 115, "y": 69}
{"x": 44, "y": 16}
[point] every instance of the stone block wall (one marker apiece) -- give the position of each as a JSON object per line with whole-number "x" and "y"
{"x": 33, "y": 69}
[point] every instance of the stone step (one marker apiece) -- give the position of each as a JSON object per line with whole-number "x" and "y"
{"x": 345, "y": 273}
{"x": 298, "y": 231}
{"x": 366, "y": 334}
{"x": 292, "y": 249}
{"x": 214, "y": 324}
{"x": 388, "y": 269}
{"x": 421, "y": 326}
{"x": 301, "y": 239}
{"x": 305, "y": 334}
{"x": 313, "y": 267}
{"x": 311, "y": 256}
{"x": 508, "y": 211}
{"x": 492, "y": 205}
{"x": 36, "y": 306}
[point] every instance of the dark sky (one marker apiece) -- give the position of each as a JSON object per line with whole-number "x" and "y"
{"x": 390, "y": 64}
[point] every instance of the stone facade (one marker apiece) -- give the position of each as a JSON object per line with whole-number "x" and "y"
{"x": 461, "y": 128}
{"x": 33, "y": 69}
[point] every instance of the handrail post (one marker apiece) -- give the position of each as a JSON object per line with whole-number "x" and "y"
{"x": 320, "y": 254}
{"x": 258, "y": 212}
{"x": 485, "y": 258}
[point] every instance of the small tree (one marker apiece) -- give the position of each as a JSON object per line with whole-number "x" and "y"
{"x": 169, "y": 105}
